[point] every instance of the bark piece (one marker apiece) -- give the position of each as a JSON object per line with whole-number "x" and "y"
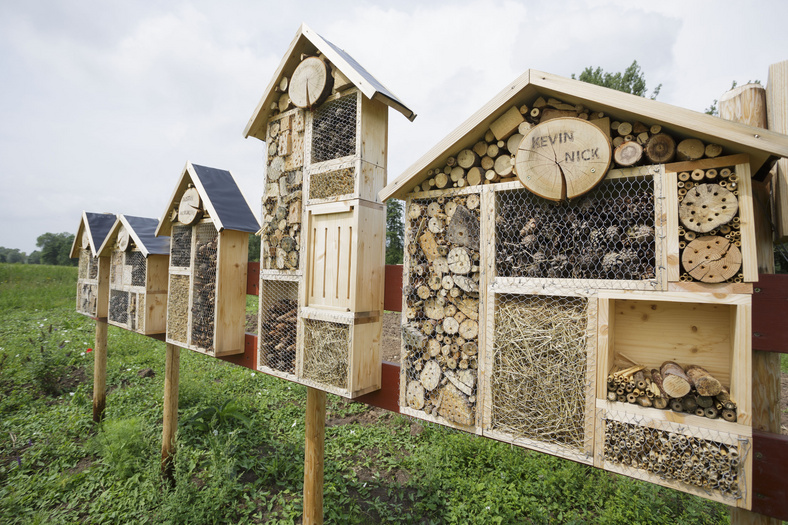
{"x": 703, "y": 381}
{"x": 463, "y": 229}
{"x": 660, "y": 148}
{"x": 429, "y": 245}
{"x": 454, "y": 406}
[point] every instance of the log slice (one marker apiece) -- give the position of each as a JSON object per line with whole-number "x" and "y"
{"x": 707, "y": 206}
{"x": 711, "y": 259}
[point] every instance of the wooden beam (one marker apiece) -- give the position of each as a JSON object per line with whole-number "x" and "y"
{"x": 313, "y": 455}
{"x": 171, "y": 378}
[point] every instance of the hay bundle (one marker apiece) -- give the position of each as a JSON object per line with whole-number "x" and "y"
{"x": 326, "y": 349}
{"x": 539, "y": 369}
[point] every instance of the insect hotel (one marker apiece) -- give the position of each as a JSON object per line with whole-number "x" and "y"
{"x": 324, "y": 120}
{"x": 209, "y": 222}
{"x": 578, "y": 278}
{"x": 93, "y": 276}
{"x": 137, "y": 275}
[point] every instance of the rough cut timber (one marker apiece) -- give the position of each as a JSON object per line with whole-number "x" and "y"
{"x": 310, "y": 84}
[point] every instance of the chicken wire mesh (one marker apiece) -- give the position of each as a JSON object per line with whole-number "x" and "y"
{"x": 181, "y": 246}
{"x": 281, "y": 232}
{"x": 278, "y": 324}
{"x": 608, "y": 234}
{"x": 334, "y": 129}
{"x": 332, "y": 183}
{"x": 326, "y": 352}
{"x": 118, "y": 307}
{"x": 138, "y": 263}
{"x": 178, "y": 308}
{"x": 87, "y": 298}
{"x": 116, "y": 269}
{"x": 708, "y": 460}
{"x": 709, "y": 226}
{"x": 84, "y": 262}
{"x": 441, "y": 333}
{"x": 203, "y": 306}
{"x": 539, "y": 383}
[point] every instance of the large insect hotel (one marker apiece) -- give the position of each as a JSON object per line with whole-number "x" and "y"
{"x": 324, "y": 120}
{"x": 209, "y": 222}
{"x": 93, "y": 273}
{"x": 137, "y": 275}
{"x": 578, "y": 278}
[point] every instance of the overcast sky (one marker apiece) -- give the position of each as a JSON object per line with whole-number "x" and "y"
{"x": 104, "y": 102}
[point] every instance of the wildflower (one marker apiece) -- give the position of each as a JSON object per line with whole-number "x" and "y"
{"x": 252, "y": 374}
{"x": 71, "y": 393}
{"x": 215, "y": 432}
{"x": 89, "y": 350}
{"x": 82, "y": 354}
{"x": 294, "y": 424}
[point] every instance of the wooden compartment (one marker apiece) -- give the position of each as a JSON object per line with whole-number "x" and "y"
{"x": 209, "y": 223}
{"x": 93, "y": 270}
{"x": 540, "y": 363}
{"x": 137, "y": 275}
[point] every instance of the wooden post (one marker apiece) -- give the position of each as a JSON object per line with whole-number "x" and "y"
{"x": 100, "y": 370}
{"x": 313, "y": 456}
{"x": 171, "y": 377}
{"x": 777, "y": 113}
{"x": 747, "y": 104}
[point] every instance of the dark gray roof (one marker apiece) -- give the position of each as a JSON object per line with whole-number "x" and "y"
{"x": 99, "y": 225}
{"x": 145, "y": 230}
{"x": 226, "y": 199}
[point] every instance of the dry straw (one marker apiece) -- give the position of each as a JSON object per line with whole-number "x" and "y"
{"x": 326, "y": 347}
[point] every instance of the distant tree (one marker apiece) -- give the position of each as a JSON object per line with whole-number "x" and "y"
{"x": 395, "y": 232}
{"x": 254, "y": 248}
{"x": 12, "y": 255}
{"x": 632, "y": 80}
{"x": 55, "y": 248}
{"x": 34, "y": 257}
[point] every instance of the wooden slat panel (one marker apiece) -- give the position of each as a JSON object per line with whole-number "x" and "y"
{"x": 392, "y": 297}
{"x": 770, "y": 463}
{"x": 769, "y": 310}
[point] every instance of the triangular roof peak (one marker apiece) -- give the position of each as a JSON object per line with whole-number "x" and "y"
{"x": 760, "y": 144}
{"x": 95, "y": 226}
{"x": 142, "y": 231}
{"x": 307, "y": 41}
{"x": 220, "y": 197}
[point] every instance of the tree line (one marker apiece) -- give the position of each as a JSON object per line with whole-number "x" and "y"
{"x": 54, "y": 248}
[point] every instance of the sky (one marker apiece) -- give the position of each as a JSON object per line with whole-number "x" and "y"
{"x": 103, "y": 103}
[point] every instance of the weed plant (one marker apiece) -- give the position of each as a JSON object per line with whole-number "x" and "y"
{"x": 240, "y": 444}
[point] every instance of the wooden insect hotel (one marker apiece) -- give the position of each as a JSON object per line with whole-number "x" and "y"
{"x": 138, "y": 275}
{"x": 324, "y": 120}
{"x": 209, "y": 222}
{"x": 93, "y": 276}
{"x": 578, "y": 278}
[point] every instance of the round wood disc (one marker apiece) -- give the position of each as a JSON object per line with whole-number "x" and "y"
{"x": 707, "y": 206}
{"x": 563, "y": 158}
{"x": 711, "y": 259}
{"x": 123, "y": 239}
{"x": 309, "y": 83}
{"x": 189, "y": 208}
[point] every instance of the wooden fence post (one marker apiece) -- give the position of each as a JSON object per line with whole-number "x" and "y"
{"x": 171, "y": 377}
{"x": 313, "y": 456}
{"x": 100, "y": 371}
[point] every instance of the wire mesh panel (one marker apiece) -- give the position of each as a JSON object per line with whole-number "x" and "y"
{"x": 334, "y": 129}
{"x": 87, "y": 298}
{"x": 181, "y": 246}
{"x": 119, "y": 306}
{"x": 326, "y": 352}
{"x": 332, "y": 183}
{"x": 116, "y": 269}
{"x": 278, "y": 324}
{"x": 710, "y": 226}
{"x": 539, "y": 387}
{"x": 178, "y": 308}
{"x": 708, "y": 460}
{"x": 607, "y": 234}
{"x": 441, "y": 336}
{"x": 137, "y": 262}
{"x": 281, "y": 233}
{"x": 204, "y": 294}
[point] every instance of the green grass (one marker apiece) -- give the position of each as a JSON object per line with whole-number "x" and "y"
{"x": 242, "y": 461}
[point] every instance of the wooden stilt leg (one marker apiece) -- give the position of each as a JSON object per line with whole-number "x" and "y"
{"x": 171, "y": 377}
{"x": 100, "y": 371}
{"x": 313, "y": 456}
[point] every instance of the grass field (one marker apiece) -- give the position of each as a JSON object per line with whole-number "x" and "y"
{"x": 240, "y": 443}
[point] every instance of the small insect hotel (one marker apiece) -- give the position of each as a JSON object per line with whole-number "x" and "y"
{"x": 578, "y": 278}
{"x": 137, "y": 275}
{"x": 324, "y": 120}
{"x": 93, "y": 275}
{"x": 209, "y": 222}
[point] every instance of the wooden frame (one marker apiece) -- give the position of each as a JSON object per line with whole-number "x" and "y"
{"x": 152, "y": 317}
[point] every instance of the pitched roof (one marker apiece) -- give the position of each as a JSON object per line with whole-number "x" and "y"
{"x": 307, "y": 41}
{"x": 221, "y": 198}
{"x": 142, "y": 231}
{"x": 97, "y": 226}
{"x": 760, "y": 144}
